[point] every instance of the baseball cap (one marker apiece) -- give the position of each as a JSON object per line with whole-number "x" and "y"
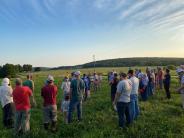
{"x": 6, "y": 81}
{"x": 50, "y": 78}
{"x": 77, "y": 73}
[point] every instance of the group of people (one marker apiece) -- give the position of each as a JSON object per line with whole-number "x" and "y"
{"x": 17, "y": 102}
{"x": 124, "y": 96}
{"x": 126, "y": 90}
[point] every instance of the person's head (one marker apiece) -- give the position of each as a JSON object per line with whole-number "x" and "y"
{"x": 131, "y": 73}
{"x": 6, "y": 81}
{"x": 123, "y": 75}
{"x": 77, "y": 74}
{"x": 29, "y": 76}
{"x": 115, "y": 75}
{"x": 67, "y": 98}
{"x": 18, "y": 82}
{"x": 50, "y": 79}
{"x": 167, "y": 71}
{"x": 84, "y": 75}
{"x": 66, "y": 78}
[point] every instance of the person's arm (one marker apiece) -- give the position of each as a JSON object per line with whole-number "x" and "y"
{"x": 33, "y": 86}
{"x": 181, "y": 88}
{"x": 33, "y": 102}
{"x": 117, "y": 96}
{"x": 118, "y": 93}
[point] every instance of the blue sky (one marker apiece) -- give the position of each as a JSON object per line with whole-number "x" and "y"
{"x": 68, "y": 32}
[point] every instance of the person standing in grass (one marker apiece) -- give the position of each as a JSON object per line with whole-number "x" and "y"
{"x": 160, "y": 77}
{"x": 122, "y": 100}
{"x": 150, "y": 82}
{"x": 6, "y": 99}
{"x": 134, "y": 107}
{"x": 167, "y": 81}
{"x": 65, "y": 87}
{"x": 114, "y": 84}
{"x": 143, "y": 86}
{"x": 49, "y": 93}
{"x": 21, "y": 98}
{"x": 76, "y": 94}
{"x": 87, "y": 85}
{"x": 180, "y": 71}
{"x": 30, "y": 83}
{"x": 65, "y": 108}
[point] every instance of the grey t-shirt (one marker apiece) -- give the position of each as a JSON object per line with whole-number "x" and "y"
{"x": 124, "y": 88}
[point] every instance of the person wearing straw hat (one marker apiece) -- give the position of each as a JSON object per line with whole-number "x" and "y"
{"x": 6, "y": 99}
{"x": 76, "y": 94}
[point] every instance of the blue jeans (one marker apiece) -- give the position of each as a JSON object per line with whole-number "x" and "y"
{"x": 134, "y": 107}
{"x": 72, "y": 106}
{"x": 123, "y": 110}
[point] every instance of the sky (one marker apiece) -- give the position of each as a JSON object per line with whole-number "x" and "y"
{"x": 53, "y": 33}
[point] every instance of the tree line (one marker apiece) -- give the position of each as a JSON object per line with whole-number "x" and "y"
{"x": 10, "y": 70}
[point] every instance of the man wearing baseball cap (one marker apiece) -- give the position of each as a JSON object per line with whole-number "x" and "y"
{"x": 49, "y": 93}
{"x": 76, "y": 94}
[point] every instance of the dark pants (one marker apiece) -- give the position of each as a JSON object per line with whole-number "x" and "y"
{"x": 113, "y": 96}
{"x": 8, "y": 114}
{"x": 144, "y": 95}
{"x": 167, "y": 87}
{"x": 72, "y": 106}
{"x": 123, "y": 111}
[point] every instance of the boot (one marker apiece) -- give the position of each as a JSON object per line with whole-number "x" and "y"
{"x": 46, "y": 126}
{"x": 53, "y": 127}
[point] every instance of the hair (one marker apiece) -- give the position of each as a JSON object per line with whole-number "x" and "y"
{"x": 67, "y": 97}
{"x": 131, "y": 72}
{"x": 167, "y": 70}
{"x": 115, "y": 75}
{"x": 29, "y": 76}
{"x": 18, "y": 82}
{"x": 124, "y": 75}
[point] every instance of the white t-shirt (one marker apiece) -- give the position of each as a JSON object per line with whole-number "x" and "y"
{"x": 6, "y": 95}
{"x": 66, "y": 86}
{"x": 135, "y": 85}
{"x": 124, "y": 88}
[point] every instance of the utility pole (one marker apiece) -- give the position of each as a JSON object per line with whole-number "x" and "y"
{"x": 94, "y": 62}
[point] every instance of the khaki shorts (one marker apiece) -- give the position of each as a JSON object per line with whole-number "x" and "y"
{"x": 50, "y": 113}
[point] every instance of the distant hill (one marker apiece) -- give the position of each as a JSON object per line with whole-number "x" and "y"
{"x": 130, "y": 62}
{"x": 137, "y": 61}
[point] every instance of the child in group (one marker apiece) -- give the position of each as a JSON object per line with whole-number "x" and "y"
{"x": 66, "y": 87}
{"x": 65, "y": 108}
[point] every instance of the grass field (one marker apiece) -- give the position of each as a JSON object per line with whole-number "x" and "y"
{"x": 160, "y": 118}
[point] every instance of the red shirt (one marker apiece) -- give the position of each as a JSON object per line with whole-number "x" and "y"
{"x": 49, "y": 93}
{"x": 21, "y": 96}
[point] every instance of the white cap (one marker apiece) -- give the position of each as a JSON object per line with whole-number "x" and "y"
{"x": 6, "y": 81}
{"x": 77, "y": 73}
{"x": 50, "y": 78}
